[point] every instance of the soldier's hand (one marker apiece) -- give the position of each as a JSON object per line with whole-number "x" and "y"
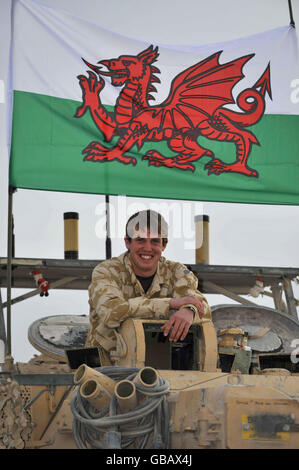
{"x": 179, "y": 324}
{"x": 181, "y": 301}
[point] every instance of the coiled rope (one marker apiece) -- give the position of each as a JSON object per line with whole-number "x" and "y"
{"x": 105, "y": 429}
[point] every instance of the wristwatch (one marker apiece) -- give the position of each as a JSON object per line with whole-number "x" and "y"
{"x": 191, "y": 307}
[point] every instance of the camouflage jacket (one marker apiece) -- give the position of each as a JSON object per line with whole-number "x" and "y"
{"x": 115, "y": 294}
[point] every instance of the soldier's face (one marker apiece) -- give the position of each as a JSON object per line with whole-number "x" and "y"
{"x": 145, "y": 251}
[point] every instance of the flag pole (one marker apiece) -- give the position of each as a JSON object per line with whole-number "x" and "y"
{"x": 292, "y": 21}
{"x": 10, "y": 250}
{"x": 108, "y": 239}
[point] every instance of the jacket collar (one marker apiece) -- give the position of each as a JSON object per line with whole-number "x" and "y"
{"x": 157, "y": 281}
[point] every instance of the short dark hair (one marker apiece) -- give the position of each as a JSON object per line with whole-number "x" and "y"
{"x": 147, "y": 220}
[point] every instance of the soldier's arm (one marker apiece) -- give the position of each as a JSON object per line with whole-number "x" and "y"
{"x": 185, "y": 294}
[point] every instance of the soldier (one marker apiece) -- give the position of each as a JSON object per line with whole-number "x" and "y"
{"x": 141, "y": 283}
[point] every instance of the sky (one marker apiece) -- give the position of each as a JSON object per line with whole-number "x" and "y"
{"x": 240, "y": 234}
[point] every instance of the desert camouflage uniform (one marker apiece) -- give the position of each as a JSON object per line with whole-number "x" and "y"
{"x": 115, "y": 294}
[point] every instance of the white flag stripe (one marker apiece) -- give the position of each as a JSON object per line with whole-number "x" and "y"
{"x": 48, "y": 45}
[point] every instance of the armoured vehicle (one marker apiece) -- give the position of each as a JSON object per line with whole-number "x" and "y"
{"x": 231, "y": 384}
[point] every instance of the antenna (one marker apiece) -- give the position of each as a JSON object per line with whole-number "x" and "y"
{"x": 108, "y": 238}
{"x": 292, "y": 21}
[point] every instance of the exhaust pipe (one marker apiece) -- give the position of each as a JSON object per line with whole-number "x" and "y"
{"x": 85, "y": 373}
{"x": 202, "y": 239}
{"x": 147, "y": 377}
{"x": 71, "y": 239}
{"x": 97, "y": 395}
{"x": 125, "y": 392}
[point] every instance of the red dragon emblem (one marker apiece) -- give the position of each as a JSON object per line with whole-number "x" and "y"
{"x": 194, "y": 108}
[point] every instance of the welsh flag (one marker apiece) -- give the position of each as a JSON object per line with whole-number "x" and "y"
{"x": 96, "y": 112}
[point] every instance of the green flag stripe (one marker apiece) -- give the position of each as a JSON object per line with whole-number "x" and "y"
{"x": 47, "y": 144}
